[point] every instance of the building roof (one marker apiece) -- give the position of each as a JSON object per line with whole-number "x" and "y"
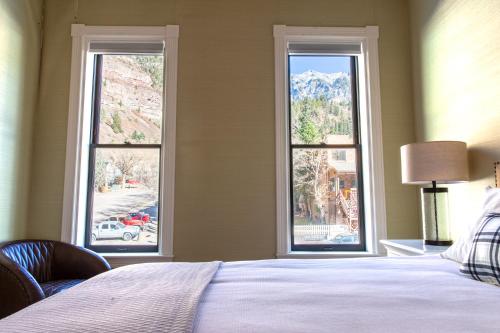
{"x": 343, "y": 166}
{"x": 338, "y": 139}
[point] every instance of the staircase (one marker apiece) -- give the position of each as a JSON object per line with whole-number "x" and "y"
{"x": 349, "y": 208}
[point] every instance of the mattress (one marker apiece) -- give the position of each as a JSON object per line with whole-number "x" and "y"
{"x": 401, "y": 294}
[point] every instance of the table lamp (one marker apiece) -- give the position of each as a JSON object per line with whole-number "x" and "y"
{"x": 435, "y": 162}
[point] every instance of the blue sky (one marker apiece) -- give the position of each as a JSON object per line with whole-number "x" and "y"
{"x": 324, "y": 64}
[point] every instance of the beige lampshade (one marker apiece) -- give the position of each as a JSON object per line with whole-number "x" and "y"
{"x": 440, "y": 161}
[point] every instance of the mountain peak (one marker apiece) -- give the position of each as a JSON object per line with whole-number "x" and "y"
{"x": 314, "y": 84}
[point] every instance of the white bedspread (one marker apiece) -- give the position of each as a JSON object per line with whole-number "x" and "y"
{"x": 131, "y": 299}
{"x": 405, "y": 294}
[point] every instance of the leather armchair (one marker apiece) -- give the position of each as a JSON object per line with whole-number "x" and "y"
{"x": 31, "y": 270}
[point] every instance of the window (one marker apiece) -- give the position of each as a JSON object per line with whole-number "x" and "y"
{"x": 323, "y": 117}
{"x": 339, "y": 154}
{"x": 126, "y": 141}
{"x": 330, "y": 195}
{"x": 121, "y": 139}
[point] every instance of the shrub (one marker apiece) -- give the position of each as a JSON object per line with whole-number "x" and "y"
{"x": 153, "y": 66}
{"x": 118, "y": 180}
{"x": 138, "y": 136}
{"x": 116, "y": 124}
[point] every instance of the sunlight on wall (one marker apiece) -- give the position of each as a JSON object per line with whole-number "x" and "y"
{"x": 456, "y": 54}
{"x": 19, "y": 61}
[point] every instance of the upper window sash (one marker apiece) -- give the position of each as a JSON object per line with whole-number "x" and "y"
{"x": 370, "y": 126}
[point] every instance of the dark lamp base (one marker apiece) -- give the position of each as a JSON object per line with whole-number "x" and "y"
{"x": 438, "y": 242}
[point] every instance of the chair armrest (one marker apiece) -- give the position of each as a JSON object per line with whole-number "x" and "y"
{"x": 18, "y": 288}
{"x": 73, "y": 262}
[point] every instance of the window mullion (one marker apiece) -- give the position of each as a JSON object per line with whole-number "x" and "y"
{"x": 125, "y": 145}
{"x": 325, "y": 146}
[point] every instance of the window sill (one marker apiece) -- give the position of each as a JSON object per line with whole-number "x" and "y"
{"x": 123, "y": 259}
{"x": 325, "y": 255}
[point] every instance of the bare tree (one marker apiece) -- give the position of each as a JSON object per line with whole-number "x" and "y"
{"x": 147, "y": 173}
{"x": 125, "y": 162}
{"x": 310, "y": 179}
{"x": 100, "y": 172}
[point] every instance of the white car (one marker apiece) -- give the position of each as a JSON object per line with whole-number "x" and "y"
{"x": 113, "y": 229}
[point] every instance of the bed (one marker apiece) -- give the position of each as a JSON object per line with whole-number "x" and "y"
{"x": 401, "y": 294}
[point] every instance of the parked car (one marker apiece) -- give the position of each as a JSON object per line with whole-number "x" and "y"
{"x": 346, "y": 239}
{"x": 136, "y": 218}
{"x": 139, "y": 216}
{"x": 129, "y": 221}
{"x": 113, "y": 229}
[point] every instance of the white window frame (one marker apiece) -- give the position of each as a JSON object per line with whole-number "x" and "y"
{"x": 79, "y": 122}
{"x": 370, "y": 122}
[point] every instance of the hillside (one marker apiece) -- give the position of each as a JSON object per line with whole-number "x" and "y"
{"x": 321, "y": 106}
{"x": 131, "y": 102}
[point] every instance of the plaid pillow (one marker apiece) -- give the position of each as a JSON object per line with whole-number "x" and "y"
{"x": 483, "y": 262}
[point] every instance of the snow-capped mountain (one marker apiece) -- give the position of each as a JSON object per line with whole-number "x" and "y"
{"x": 314, "y": 84}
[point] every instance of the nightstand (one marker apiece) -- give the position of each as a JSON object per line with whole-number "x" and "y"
{"x": 410, "y": 247}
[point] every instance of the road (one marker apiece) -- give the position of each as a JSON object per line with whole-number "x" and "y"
{"x": 145, "y": 238}
{"x": 122, "y": 201}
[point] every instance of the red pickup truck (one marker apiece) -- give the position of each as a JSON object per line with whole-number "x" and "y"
{"x": 138, "y": 219}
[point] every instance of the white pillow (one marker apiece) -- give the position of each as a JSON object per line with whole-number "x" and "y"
{"x": 492, "y": 200}
{"x": 459, "y": 251}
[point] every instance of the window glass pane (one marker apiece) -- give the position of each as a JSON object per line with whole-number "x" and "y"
{"x": 131, "y": 99}
{"x": 125, "y": 196}
{"x": 325, "y": 197}
{"x": 321, "y": 99}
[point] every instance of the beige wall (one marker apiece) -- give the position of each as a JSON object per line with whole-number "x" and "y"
{"x": 225, "y": 192}
{"x": 19, "y": 63}
{"x": 456, "y": 52}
